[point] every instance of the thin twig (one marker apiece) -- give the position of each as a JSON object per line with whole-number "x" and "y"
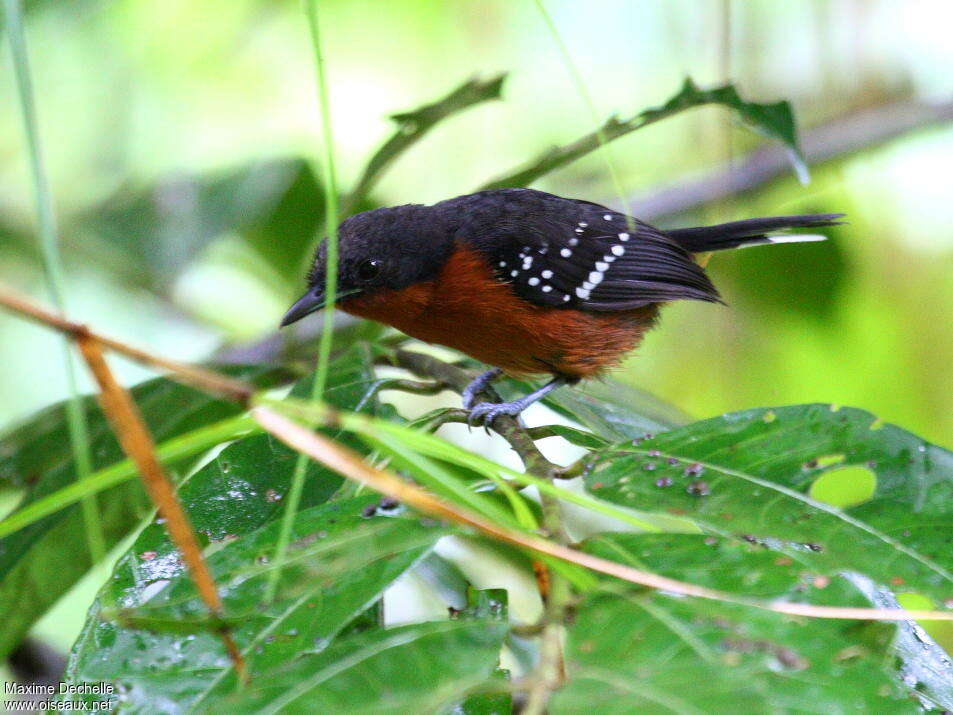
{"x": 205, "y": 380}
{"x": 350, "y": 464}
{"x": 456, "y": 379}
{"x": 133, "y": 435}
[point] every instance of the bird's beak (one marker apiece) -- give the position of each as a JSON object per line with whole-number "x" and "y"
{"x": 307, "y": 304}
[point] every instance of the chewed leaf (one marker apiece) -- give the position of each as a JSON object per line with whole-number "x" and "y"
{"x": 750, "y": 475}
{"x": 641, "y": 652}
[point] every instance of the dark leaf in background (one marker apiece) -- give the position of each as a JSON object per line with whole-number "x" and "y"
{"x": 41, "y": 562}
{"x": 413, "y": 125}
{"x": 276, "y": 206}
{"x": 803, "y": 279}
{"x": 752, "y": 475}
{"x": 773, "y": 120}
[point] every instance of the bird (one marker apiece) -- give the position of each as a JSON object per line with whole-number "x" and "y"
{"x": 525, "y": 281}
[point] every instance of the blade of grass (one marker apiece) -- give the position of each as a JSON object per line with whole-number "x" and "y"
{"x": 583, "y": 91}
{"x": 430, "y": 445}
{"x": 182, "y": 447}
{"x": 133, "y": 435}
{"x": 351, "y": 465}
{"x": 330, "y": 289}
{"x": 438, "y": 479}
{"x": 53, "y": 270}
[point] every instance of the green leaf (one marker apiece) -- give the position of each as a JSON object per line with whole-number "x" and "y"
{"x": 42, "y": 561}
{"x": 611, "y": 410}
{"x": 414, "y": 669}
{"x": 749, "y": 475}
{"x": 578, "y": 437}
{"x": 773, "y": 120}
{"x": 837, "y": 665}
{"x": 648, "y": 652}
{"x": 340, "y": 561}
{"x": 616, "y": 411}
{"x": 274, "y": 205}
{"x": 413, "y": 126}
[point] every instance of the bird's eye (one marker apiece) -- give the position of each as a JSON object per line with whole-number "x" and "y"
{"x": 369, "y": 270}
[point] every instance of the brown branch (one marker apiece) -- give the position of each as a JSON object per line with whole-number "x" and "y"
{"x": 133, "y": 435}
{"x": 835, "y": 139}
{"x": 205, "y": 380}
{"x": 350, "y": 464}
{"x": 509, "y": 428}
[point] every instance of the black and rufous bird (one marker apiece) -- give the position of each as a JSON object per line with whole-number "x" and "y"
{"x": 525, "y": 281}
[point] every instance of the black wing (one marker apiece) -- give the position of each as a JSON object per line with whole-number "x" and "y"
{"x": 565, "y": 253}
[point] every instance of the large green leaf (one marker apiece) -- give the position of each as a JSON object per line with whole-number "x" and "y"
{"x": 612, "y": 410}
{"x": 42, "y": 561}
{"x": 750, "y": 475}
{"x": 774, "y": 120}
{"x": 342, "y": 558}
{"x": 653, "y": 653}
{"x": 418, "y": 668}
{"x": 744, "y": 659}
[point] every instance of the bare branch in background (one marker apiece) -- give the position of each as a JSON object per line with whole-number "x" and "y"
{"x": 840, "y": 137}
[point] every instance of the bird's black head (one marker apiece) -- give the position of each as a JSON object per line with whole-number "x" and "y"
{"x": 380, "y": 250}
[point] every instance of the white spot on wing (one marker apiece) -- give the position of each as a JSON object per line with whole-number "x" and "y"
{"x": 547, "y": 274}
{"x": 608, "y": 217}
{"x": 546, "y": 289}
{"x": 534, "y": 281}
{"x": 596, "y": 277}
{"x": 514, "y": 273}
{"x": 582, "y": 292}
{"x": 565, "y": 299}
{"x": 624, "y": 236}
{"x": 618, "y": 250}
{"x": 565, "y": 253}
{"x": 601, "y": 266}
{"x": 573, "y": 242}
{"x": 583, "y": 224}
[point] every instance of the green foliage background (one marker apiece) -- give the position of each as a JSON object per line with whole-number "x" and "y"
{"x": 180, "y": 141}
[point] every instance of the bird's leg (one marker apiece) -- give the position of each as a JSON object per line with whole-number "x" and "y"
{"x": 486, "y": 412}
{"x": 478, "y": 385}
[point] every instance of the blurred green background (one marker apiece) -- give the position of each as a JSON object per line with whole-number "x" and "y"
{"x": 180, "y": 139}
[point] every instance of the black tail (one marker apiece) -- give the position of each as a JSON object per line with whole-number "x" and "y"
{"x": 751, "y": 232}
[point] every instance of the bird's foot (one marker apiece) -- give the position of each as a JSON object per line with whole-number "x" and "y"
{"x": 485, "y": 413}
{"x": 478, "y": 385}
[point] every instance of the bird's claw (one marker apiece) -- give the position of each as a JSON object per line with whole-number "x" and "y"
{"x": 478, "y": 385}
{"x": 485, "y": 413}
{"x": 469, "y": 397}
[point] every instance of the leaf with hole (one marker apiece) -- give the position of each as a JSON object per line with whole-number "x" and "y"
{"x": 750, "y": 475}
